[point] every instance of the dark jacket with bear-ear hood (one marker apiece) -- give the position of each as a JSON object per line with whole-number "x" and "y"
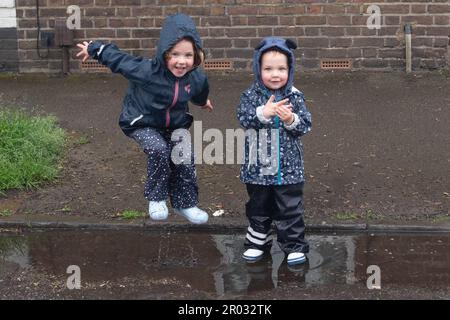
{"x": 273, "y": 151}
{"x": 155, "y": 97}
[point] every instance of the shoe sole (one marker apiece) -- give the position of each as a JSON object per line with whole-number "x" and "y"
{"x": 158, "y": 219}
{"x": 251, "y": 259}
{"x": 294, "y": 262}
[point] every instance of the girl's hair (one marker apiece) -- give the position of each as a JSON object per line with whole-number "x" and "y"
{"x": 199, "y": 55}
{"x": 275, "y": 49}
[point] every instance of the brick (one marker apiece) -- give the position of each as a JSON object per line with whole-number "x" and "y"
{"x": 391, "y": 42}
{"x": 438, "y": 31}
{"x": 332, "y": 31}
{"x": 312, "y": 31}
{"x": 215, "y": 21}
{"x": 438, "y": 8}
{"x": 354, "y": 53}
{"x": 421, "y": 20}
{"x": 374, "y": 63}
{"x": 334, "y": 9}
{"x": 418, "y": 8}
{"x": 392, "y": 53}
{"x": 98, "y": 12}
{"x": 322, "y": 42}
{"x": 123, "y": 33}
{"x": 339, "y": 20}
{"x": 442, "y": 20}
{"x": 242, "y": 10}
{"x": 265, "y": 32}
{"x": 368, "y": 42}
{"x": 288, "y": 31}
{"x": 217, "y": 11}
{"x": 123, "y": 23}
{"x": 128, "y": 43}
{"x": 263, "y": 21}
{"x": 313, "y": 9}
{"x": 146, "y": 22}
{"x": 341, "y": 42}
{"x": 216, "y": 32}
{"x": 240, "y": 32}
{"x": 239, "y": 21}
{"x": 310, "y": 20}
{"x": 100, "y": 33}
{"x": 332, "y": 53}
{"x": 241, "y": 43}
{"x": 440, "y": 42}
{"x": 310, "y": 53}
{"x": 239, "y": 53}
{"x": 310, "y": 63}
{"x": 146, "y": 33}
{"x": 281, "y": 10}
{"x": 144, "y": 12}
{"x": 126, "y": 2}
{"x": 217, "y": 43}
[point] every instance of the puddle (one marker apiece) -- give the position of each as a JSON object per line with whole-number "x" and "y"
{"x": 208, "y": 265}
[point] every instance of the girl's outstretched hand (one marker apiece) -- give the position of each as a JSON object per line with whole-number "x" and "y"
{"x": 83, "y": 54}
{"x": 208, "y": 106}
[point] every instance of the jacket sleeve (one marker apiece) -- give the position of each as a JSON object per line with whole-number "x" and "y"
{"x": 302, "y": 119}
{"x": 201, "y": 98}
{"x": 248, "y": 115}
{"x": 137, "y": 69}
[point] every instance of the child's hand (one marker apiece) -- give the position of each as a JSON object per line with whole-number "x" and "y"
{"x": 83, "y": 54}
{"x": 285, "y": 114}
{"x": 270, "y": 109}
{"x": 208, "y": 106}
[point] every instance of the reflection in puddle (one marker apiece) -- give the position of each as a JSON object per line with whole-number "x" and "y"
{"x": 212, "y": 262}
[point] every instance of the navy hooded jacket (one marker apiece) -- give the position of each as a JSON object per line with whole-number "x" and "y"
{"x": 273, "y": 151}
{"x": 155, "y": 97}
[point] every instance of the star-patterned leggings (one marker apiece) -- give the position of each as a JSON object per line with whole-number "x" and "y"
{"x": 164, "y": 177}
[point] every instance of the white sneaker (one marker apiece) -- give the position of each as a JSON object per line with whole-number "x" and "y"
{"x": 296, "y": 258}
{"x": 252, "y": 254}
{"x": 158, "y": 210}
{"x": 194, "y": 214}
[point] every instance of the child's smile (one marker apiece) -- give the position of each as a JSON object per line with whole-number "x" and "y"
{"x": 274, "y": 70}
{"x": 181, "y": 58}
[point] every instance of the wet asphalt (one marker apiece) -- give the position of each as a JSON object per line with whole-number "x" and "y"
{"x": 165, "y": 264}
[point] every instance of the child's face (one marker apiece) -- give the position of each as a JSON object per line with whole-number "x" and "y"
{"x": 181, "y": 58}
{"x": 274, "y": 70}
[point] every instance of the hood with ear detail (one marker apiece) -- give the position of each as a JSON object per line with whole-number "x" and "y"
{"x": 285, "y": 45}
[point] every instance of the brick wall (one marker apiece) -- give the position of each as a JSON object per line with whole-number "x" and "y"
{"x": 8, "y": 36}
{"x": 231, "y": 28}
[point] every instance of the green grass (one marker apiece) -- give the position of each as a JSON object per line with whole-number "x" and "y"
{"x": 131, "y": 214}
{"x": 346, "y": 215}
{"x": 372, "y": 215}
{"x": 82, "y": 140}
{"x": 6, "y": 213}
{"x": 30, "y": 149}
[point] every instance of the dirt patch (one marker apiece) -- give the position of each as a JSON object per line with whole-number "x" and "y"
{"x": 378, "y": 150}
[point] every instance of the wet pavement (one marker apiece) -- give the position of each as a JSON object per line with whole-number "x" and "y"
{"x": 164, "y": 264}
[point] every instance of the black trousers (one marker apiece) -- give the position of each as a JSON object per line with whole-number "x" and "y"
{"x": 284, "y": 206}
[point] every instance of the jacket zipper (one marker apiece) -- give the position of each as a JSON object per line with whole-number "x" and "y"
{"x": 174, "y": 102}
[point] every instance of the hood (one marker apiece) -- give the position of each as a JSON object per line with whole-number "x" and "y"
{"x": 286, "y": 45}
{"x": 175, "y": 28}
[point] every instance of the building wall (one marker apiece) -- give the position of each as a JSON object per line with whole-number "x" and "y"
{"x": 8, "y": 36}
{"x": 231, "y": 28}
